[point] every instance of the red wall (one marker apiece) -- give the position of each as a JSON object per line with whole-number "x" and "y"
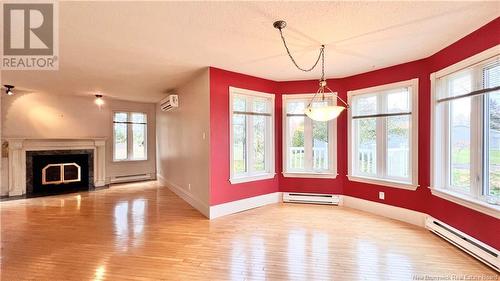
{"x": 476, "y": 224}
{"x": 221, "y": 190}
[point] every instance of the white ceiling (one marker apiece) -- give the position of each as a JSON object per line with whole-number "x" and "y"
{"x": 138, "y": 50}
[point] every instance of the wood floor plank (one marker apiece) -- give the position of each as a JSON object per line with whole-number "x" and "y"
{"x": 143, "y": 231}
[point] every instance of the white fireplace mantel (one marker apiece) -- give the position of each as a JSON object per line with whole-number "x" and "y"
{"x": 19, "y": 146}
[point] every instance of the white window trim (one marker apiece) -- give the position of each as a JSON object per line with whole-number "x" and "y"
{"x": 233, "y": 179}
{"x": 332, "y": 135}
{"x": 437, "y": 187}
{"x": 413, "y": 84}
{"x": 129, "y": 133}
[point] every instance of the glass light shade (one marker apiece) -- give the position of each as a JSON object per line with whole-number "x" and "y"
{"x": 324, "y": 113}
{"x": 99, "y": 101}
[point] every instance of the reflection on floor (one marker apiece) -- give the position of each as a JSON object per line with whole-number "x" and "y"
{"x": 142, "y": 232}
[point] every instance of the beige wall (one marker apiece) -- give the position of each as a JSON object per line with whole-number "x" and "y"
{"x": 37, "y": 115}
{"x": 183, "y": 143}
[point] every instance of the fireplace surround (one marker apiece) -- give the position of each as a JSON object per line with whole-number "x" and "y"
{"x": 22, "y": 149}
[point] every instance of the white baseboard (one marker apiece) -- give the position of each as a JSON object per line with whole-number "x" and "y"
{"x": 184, "y": 195}
{"x": 244, "y": 204}
{"x": 212, "y": 212}
{"x": 393, "y": 212}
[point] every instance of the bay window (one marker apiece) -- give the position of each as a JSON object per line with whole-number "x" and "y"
{"x": 251, "y": 135}
{"x": 129, "y": 136}
{"x": 383, "y": 146}
{"x": 466, "y": 129}
{"x": 309, "y": 147}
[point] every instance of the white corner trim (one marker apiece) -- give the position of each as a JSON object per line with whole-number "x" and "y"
{"x": 184, "y": 195}
{"x": 237, "y": 206}
{"x": 389, "y": 211}
{"x": 485, "y": 208}
{"x": 386, "y": 183}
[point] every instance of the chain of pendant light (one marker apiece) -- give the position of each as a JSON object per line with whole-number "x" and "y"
{"x": 321, "y": 56}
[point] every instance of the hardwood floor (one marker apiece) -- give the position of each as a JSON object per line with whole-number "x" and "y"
{"x": 144, "y": 232}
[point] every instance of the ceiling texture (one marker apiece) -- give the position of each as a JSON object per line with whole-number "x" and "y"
{"x": 138, "y": 50}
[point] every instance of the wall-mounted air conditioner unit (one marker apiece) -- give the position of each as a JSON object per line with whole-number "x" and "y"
{"x": 474, "y": 247}
{"x": 311, "y": 198}
{"x": 169, "y": 103}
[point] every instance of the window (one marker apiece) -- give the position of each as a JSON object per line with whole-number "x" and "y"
{"x": 129, "y": 136}
{"x": 309, "y": 147}
{"x": 466, "y": 129}
{"x": 383, "y": 145}
{"x": 251, "y": 136}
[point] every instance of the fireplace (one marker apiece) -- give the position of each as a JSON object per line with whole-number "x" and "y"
{"x": 52, "y": 172}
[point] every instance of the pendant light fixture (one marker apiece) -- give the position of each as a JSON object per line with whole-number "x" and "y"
{"x": 318, "y": 113}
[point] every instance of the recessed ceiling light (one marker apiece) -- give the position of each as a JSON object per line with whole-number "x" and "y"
{"x": 98, "y": 100}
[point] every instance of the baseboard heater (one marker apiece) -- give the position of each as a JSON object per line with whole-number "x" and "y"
{"x": 470, "y": 245}
{"x": 130, "y": 178}
{"x": 311, "y": 198}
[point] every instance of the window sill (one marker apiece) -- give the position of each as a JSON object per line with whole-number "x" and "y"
{"x": 480, "y": 206}
{"x": 309, "y": 175}
{"x": 387, "y": 183}
{"x": 251, "y": 178}
{"x": 129, "y": 160}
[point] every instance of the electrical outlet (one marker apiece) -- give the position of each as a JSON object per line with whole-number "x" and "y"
{"x": 189, "y": 186}
{"x": 381, "y": 195}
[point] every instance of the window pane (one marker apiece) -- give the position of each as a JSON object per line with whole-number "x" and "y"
{"x": 260, "y": 105}
{"x": 120, "y": 117}
{"x": 120, "y": 141}
{"x": 320, "y": 141}
{"x": 365, "y": 105}
{"x": 398, "y": 146}
{"x": 320, "y": 145}
{"x": 296, "y": 142}
{"x": 138, "y": 117}
{"x": 492, "y": 79}
{"x": 239, "y": 143}
{"x": 239, "y": 103}
{"x": 460, "y": 84}
{"x": 494, "y": 146}
{"x": 295, "y": 107}
{"x": 492, "y": 76}
{"x": 138, "y": 141}
{"x": 366, "y": 145}
{"x": 460, "y": 143}
{"x": 259, "y": 143}
{"x": 398, "y": 101}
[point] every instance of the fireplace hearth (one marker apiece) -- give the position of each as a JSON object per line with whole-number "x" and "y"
{"x": 58, "y": 171}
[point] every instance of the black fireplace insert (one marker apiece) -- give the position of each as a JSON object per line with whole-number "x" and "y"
{"x": 58, "y": 171}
